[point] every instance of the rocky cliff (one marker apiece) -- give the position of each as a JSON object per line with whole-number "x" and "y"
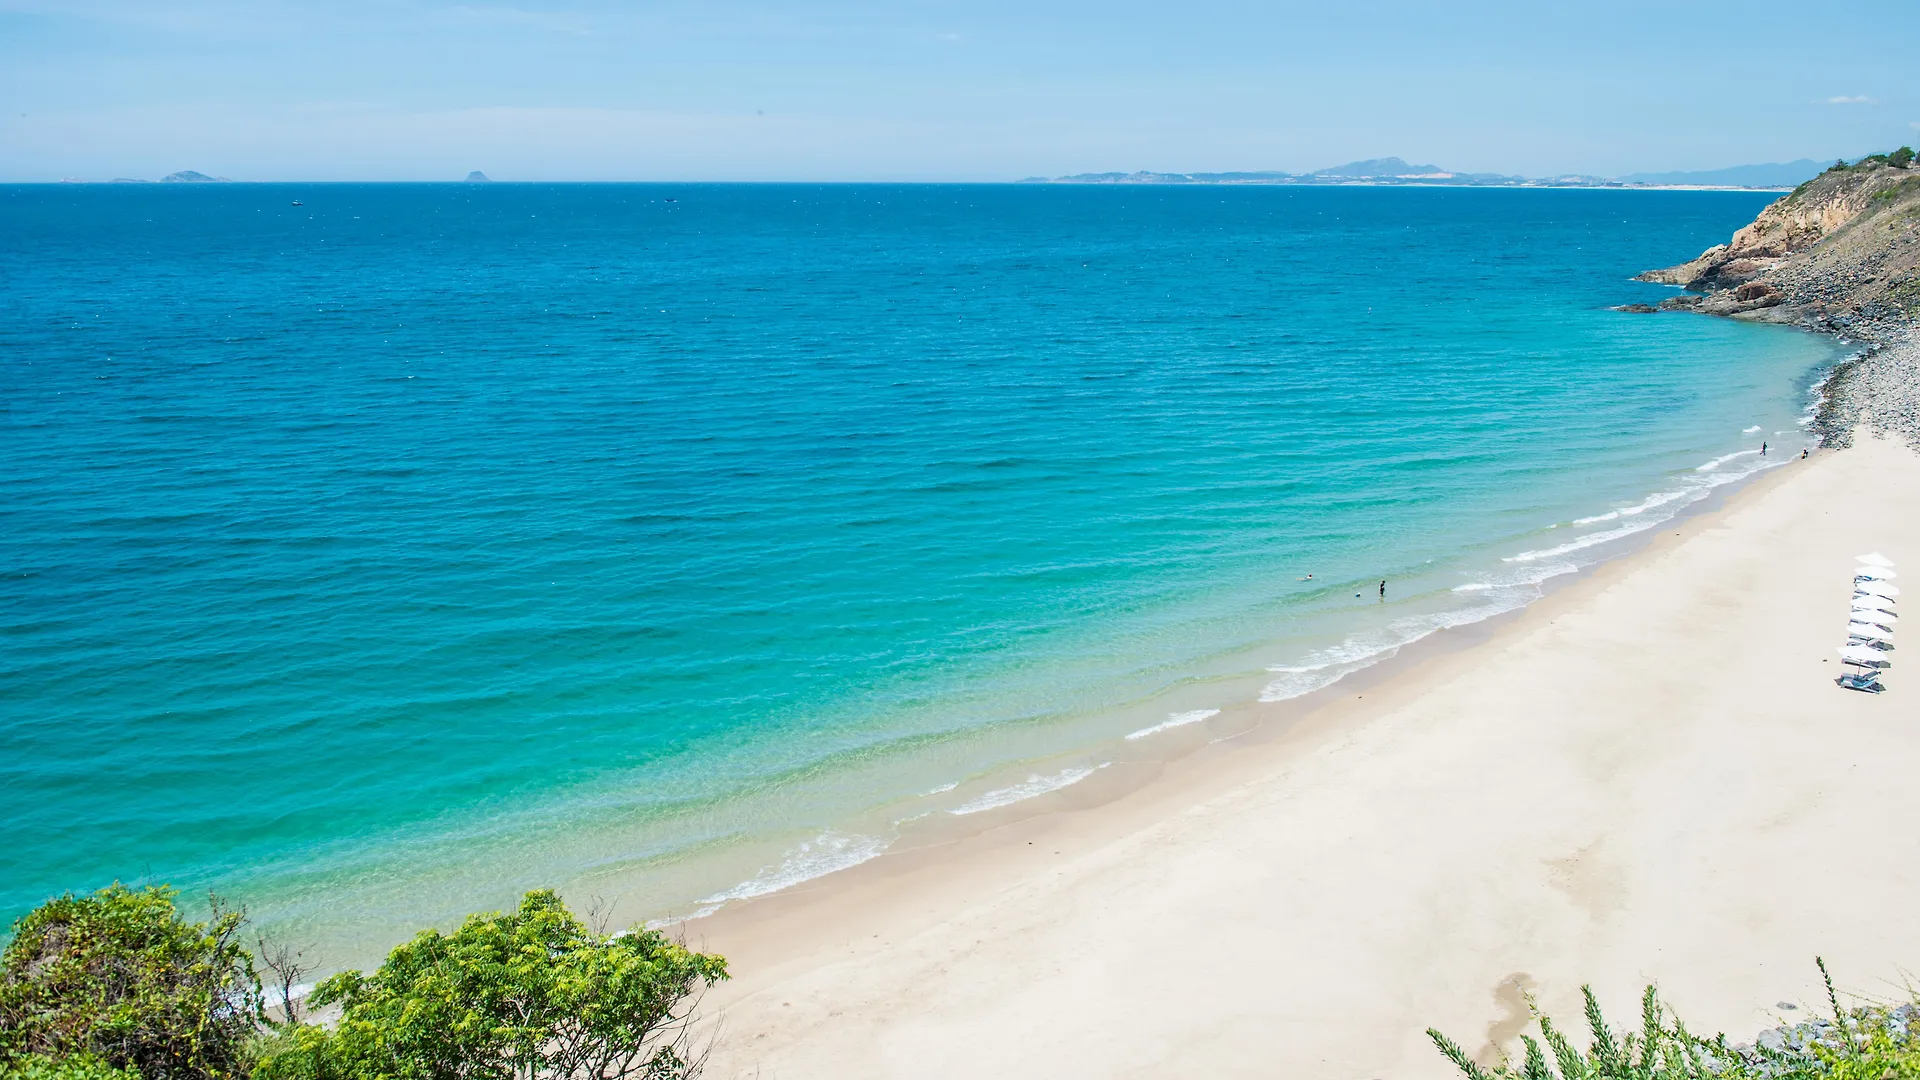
{"x": 1840, "y": 253}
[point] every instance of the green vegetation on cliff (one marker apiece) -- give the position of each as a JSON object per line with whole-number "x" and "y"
{"x": 1840, "y": 252}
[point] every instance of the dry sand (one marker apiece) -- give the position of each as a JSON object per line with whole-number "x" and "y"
{"x": 1647, "y": 776}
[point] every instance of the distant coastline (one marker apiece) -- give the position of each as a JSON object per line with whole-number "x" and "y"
{"x": 1395, "y": 172}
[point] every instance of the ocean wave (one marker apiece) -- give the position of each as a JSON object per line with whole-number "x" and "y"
{"x": 1651, "y": 502}
{"x": 1518, "y": 579}
{"x": 1033, "y": 786}
{"x": 1724, "y": 458}
{"x": 825, "y": 854}
{"x": 1174, "y": 720}
{"x": 1698, "y": 489}
{"x": 1751, "y": 430}
{"x": 1327, "y": 666}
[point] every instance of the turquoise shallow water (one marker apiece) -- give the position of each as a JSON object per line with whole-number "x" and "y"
{"x": 373, "y": 559}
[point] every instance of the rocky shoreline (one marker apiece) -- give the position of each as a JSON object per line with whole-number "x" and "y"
{"x": 1839, "y": 255}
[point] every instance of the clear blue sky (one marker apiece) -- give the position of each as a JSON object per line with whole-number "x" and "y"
{"x": 989, "y": 89}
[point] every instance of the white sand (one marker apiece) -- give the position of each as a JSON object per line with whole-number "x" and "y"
{"x": 1647, "y": 776}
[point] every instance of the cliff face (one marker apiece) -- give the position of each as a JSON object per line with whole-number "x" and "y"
{"x": 1842, "y": 252}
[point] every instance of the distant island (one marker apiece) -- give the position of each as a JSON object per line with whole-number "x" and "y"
{"x": 1396, "y": 171}
{"x": 478, "y": 177}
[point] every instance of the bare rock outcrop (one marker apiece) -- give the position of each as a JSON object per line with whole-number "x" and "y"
{"x": 1841, "y": 253}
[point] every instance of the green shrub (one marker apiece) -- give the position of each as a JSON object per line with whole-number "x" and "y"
{"x": 1901, "y": 158}
{"x": 532, "y": 995}
{"x": 77, "y": 1067}
{"x": 1870, "y": 1043}
{"x": 118, "y": 980}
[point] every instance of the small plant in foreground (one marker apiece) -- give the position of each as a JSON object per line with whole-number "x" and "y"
{"x": 1874, "y": 1042}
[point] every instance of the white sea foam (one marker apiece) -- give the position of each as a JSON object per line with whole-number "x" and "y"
{"x": 1518, "y": 578}
{"x": 942, "y": 789}
{"x": 829, "y": 852}
{"x": 1724, "y": 458}
{"x": 1324, "y": 667}
{"x": 1751, "y": 430}
{"x": 1033, "y": 785}
{"x": 1584, "y": 542}
{"x": 1695, "y": 490}
{"x": 1651, "y": 502}
{"x": 1174, "y": 720}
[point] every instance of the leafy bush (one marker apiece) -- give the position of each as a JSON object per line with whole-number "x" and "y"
{"x": 1901, "y": 158}
{"x": 77, "y": 1067}
{"x": 118, "y": 980}
{"x": 532, "y": 995}
{"x": 1870, "y": 1043}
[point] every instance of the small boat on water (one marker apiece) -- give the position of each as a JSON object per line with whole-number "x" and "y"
{"x": 296, "y": 202}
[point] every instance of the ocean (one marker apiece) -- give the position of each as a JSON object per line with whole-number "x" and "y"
{"x": 373, "y": 553}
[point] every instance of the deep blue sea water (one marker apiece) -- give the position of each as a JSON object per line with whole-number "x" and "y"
{"x": 375, "y": 558}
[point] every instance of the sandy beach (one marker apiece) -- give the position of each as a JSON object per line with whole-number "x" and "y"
{"x": 1648, "y": 775}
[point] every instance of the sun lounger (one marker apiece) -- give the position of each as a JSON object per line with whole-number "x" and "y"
{"x": 1868, "y": 683}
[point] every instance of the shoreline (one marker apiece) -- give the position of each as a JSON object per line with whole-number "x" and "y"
{"x": 820, "y": 931}
{"x": 1098, "y": 773}
{"x": 1242, "y": 724}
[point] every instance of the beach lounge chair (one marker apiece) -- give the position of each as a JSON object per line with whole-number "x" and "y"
{"x": 1868, "y": 683}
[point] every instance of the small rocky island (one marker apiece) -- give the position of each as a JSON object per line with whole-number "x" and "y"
{"x": 1839, "y": 254}
{"x": 478, "y": 177}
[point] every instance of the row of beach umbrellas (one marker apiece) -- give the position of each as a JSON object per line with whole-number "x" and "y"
{"x": 1870, "y": 624}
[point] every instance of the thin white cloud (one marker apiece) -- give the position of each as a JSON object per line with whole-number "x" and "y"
{"x": 1844, "y": 99}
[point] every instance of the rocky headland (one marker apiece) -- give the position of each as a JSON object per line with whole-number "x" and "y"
{"x": 1839, "y": 254}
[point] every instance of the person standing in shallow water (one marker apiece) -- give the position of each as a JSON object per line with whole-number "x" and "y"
{"x": 1383, "y": 588}
{"x": 1763, "y": 449}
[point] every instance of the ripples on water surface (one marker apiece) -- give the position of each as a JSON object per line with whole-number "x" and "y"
{"x": 374, "y": 559}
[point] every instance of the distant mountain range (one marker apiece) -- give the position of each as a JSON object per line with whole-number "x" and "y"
{"x": 1393, "y": 170}
{"x": 1788, "y": 174}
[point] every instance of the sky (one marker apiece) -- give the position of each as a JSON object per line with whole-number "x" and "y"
{"x": 937, "y": 90}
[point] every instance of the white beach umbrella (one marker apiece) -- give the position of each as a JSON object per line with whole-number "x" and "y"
{"x": 1873, "y": 558}
{"x": 1873, "y": 618}
{"x": 1860, "y": 654}
{"x": 1869, "y": 631}
{"x": 1876, "y": 588}
{"x": 1872, "y": 602}
{"x": 1875, "y": 573}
